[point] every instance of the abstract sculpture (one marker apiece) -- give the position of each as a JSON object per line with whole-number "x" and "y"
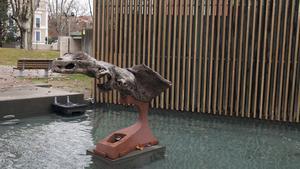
{"x": 137, "y": 85}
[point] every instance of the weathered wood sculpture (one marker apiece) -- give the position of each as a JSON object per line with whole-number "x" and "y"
{"x": 137, "y": 85}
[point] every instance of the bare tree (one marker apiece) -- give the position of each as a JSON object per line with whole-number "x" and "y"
{"x": 90, "y": 7}
{"x": 23, "y": 14}
{"x": 60, "y": 12}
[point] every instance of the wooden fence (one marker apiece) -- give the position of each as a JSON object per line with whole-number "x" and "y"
{"x": 225, "y": 57}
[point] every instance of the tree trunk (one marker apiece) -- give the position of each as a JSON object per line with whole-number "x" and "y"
{"x": 28, "y": 38}
{"x": 1, "y": 35}
{"x": 30, "y": 33}
{"x": 23, "y": 39}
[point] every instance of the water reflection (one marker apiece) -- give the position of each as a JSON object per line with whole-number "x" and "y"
{"x": 196, "y": 141}
{"x": 193, "y": 141}
{"x": 45, "y": 142}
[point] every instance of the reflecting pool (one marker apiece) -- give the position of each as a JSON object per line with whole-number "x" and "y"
{"x": 193, "y": 141}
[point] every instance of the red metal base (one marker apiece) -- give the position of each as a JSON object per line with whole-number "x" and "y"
{"x": 126, "y": 140}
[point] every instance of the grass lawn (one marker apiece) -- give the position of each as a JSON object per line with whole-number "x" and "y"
{"x": 73, "y": 82}
{"x": 9, "y": 56}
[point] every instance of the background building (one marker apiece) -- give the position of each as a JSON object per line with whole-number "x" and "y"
{"x": 40, "y": 27}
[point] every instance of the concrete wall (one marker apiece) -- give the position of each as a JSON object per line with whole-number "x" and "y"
{"x": 44, "y": 47}
{"x": 69, "y": 45}
{"x": 87, "y": 41}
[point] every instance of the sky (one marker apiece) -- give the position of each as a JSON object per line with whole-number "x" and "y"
{"x": 83, "y": 5}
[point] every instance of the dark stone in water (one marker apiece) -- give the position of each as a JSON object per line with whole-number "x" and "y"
{"x": 10, "y": 122}
{"x": 9, "y": 117}
{"x": 69, "y": 109}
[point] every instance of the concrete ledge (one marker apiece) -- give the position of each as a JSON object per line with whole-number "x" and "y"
{"x": 133, "y": 160}
{"x": 28, "y": 101}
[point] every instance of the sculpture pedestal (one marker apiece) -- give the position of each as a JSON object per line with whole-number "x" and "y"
{"x": 124, "y": 141}
{"x": 135, "y": 159}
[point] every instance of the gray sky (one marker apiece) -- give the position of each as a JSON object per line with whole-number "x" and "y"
{"x": 83, "y": 5}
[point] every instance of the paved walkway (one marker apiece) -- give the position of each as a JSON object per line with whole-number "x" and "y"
{"x": 8, "y": 78}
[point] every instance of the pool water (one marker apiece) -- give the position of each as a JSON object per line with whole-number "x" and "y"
{"x": 193, "y": 141}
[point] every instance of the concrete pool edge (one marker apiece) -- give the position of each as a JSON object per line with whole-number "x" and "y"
{"x": 27, "y": 101}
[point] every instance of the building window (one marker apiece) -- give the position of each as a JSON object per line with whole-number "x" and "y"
{"x": 38, "y": 22}
{"x": 37, "y": 36}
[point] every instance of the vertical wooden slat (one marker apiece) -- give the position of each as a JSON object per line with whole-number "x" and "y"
{"x": 139, "y": 41}
{"x": 163, "y": 56}
{"x": 270, "y": 61}
{"x": 96, "y": 40}
{"x": 107, "y": 44}
{"x": 279, "y": 103}
{"x": 184, "y": 56}
{"x": 296, "y": 62}
{"x": 121, "y": 35}
{"x": 298, "y": 111}
{"x": 205, "y": 56}
{"x": 236, "y": 6}
{"x": 216, "y": 78}
{"x": 195, "y": 42}
{"x": 146, "y": 11}
{"x": 288, "y": 64}
{"x": 264, "y": 46}
{"x": 240, "y": 54}
{"x": 135, "y": 32}
{"x": 257, "y": 60}
{"x": 189, "y": 55}
{"x": 111, "y": 53}
{"x": 95, "y": 25}
{"x": 154, "y": 41}
{"x": 119, "y": 31}
{"x": 99, "y": 52}
{"x": 154, "y": 34}
{"x": 276, "y": 61}
{"x": 125, "y": 35}
{"x": 179, "y": 56}
{"x": 243, "y": 97}
{"x": 129, "y": 56}
{"x": 170, "y": 3}
{"x": 102, "y": 41}
{"x": 174, "y": 54}
{"x": 107, "y": 32}
{"x": 102, "y": 30}
{"x": 149, "y": 31}
{"x": 211, "y": 57}
{"x": 228, "y": 59}
{"x": 159, "y": 55}
{"x": 252, "y": 59}
{"x": 115, "y": 60}
{"x": 220, "y": 102}
{"x": 95, "y": 50}
{"x": 200, "y": 56}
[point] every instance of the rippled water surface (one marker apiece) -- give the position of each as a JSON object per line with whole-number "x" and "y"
{"x": 193, "y": 141}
